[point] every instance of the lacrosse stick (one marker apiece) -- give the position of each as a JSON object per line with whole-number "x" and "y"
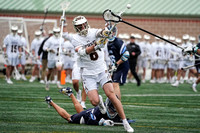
{"x": 17, "y": 74}
{"x": 32, "y": 57}
{"x": 45, "y": 15}
{"x": 121, "y": 124}
{"x": 108, "y": 15}
{"x": 64, "y": 7}
{"x": 187, "y": 67}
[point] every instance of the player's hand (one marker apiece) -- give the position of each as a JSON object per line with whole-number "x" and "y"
{"x": 189, "y": 50}
{"x": 51, "y": 51}
{"x": 113, "y": 67}
{"x": 100, "y": 43}
{"x": 104, "y": 122}
{"x": 107, "y": 33}
{"x": 63, "y": 19}
{"x": 5, "y": 55}
{"x": 20, "y": 55}
{"x": 133, "y": 53}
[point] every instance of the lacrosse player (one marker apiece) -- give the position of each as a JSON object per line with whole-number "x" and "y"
{"x": 52, "y": 47}
{"x": 92, "y": 116}
{"x": 44, "y": 57}
{"x": 12, "y": 51}
{"x": 88, "y": 43}
{"x": 145, "y": 53}
{"x": 22, "y": 59}
{"x": 195, "y": 50}
{"x": 119, "y": 60}
{"x": 35, "y": 45}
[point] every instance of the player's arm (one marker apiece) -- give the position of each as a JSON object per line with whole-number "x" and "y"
{"x": 82, "y": 51}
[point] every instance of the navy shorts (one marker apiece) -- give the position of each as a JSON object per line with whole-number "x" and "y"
{"x": 120, "y": 75}
{"x": 198, "y": 69}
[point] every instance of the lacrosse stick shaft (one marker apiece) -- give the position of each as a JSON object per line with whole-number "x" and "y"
{"x": 45, "y": 15}
{"x": 187, "y": 67}
{"x": 152, "y": 34}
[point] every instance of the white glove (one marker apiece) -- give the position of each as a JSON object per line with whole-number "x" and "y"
{"x": 189, "y": 50}
{"x": 104, "y": 122}
{"x": 100, "y": 43}
{"x": 63, "y": 19}
{"x": 20, "y": 55}
{"x": 5, "y": 55}
{"x": 113, "y": 68}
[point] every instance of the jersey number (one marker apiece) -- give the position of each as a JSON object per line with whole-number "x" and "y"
{"x": 94, "y": 56}
{"x": 13, "y": 48}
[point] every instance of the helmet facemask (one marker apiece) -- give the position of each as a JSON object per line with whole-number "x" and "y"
{"x": 110, "y": 109}
{"x": 81, "y": 25}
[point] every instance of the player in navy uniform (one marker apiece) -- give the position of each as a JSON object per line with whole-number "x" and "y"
{"x": 119, "y": 60}
{"x": 197, "y": 51}
{"x": 91, "y": 116}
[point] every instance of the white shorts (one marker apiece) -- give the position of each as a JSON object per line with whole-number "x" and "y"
{"x": 76, "y": 74}
{"x": 51, "y": 63}
{"x": 68, "y": 65}
{"x": 92, "y": 82}
{"x": 12, "y": 61}
{"x": 22, "y": 60}
{"x": 143, "y": 63}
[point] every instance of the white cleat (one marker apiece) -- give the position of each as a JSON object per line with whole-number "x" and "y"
{"x": 194, "y": 87}
{"x": 152, "y": 81}
{"x": 23, "y": 78}
{"x": 59, "y": 86}
{"x": 128, "y": 128}
{"x": 83, "y": 104}
{"x": 101, "y": 105}
{"x": 176, "y": 84}
{"x": 78, "y": 96}
{"x": 9, "y": 81}
{"x": 32, "y": 79}
{"x": 42, "y": 81}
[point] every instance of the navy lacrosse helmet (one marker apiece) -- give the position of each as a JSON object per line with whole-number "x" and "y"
{"x": 114, "y": 32}
{"x": 110, "y": 109}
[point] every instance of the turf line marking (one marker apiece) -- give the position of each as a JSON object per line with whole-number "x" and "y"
{"x": 161, "y": 95}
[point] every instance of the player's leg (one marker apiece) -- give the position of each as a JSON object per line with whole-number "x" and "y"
{"x": 63, "y": 113}
{"x": 93, "y": 97}
{"x": 44, "y": 67}
{"x": 68, "y": 91}
{"x": 83, "y": 98}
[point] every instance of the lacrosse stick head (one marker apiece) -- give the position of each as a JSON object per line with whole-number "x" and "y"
{"x": 108, "y": 15}
{"x": 65, "y": 5}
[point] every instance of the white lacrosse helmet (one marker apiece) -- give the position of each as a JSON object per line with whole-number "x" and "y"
{"x": 178, "y": 40}
{"x": 38, "y": 33}
{"x": 20, "y": 31}
{"x": 166, "y": 37}
{"x": 192, "y": 38}
{"x": 146, "y": 37}
{"x": 186, "y": 37}
{"x": 172, "y": 38}
{"x": 14, "y": 28}
{"x": 81, "y": 25}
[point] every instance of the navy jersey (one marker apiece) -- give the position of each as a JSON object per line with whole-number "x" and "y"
{"x": 116, "y": 49}
{"x": 91, "y": 116}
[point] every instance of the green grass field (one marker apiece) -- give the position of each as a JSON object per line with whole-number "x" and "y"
{"x": 157, "y": 108}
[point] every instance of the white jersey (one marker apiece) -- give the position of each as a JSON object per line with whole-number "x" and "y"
{"x": 188, "y": 58}
{"x": 35, "y": 45}
{"x": 145, "y": 49}
{"x": 23, "y": 44}
{"x": 69, "y": 51}
{"x": 158, "y": 51}
{"x": 12, "y": 44}
{"x": 53, "y": 44}
{"x": 91, "y": 64}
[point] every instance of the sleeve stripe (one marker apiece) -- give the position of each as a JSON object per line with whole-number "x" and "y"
{"x": 123, "y": 49}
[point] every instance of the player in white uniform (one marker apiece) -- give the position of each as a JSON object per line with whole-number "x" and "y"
{"x": 145, "y": 53}
{"x": 12, "y": 51}
{"x": 52, "y": 47}
{"x": 88, "y": 44}
{"x": 35, "y": 45}
{"x": 22, "y": 60}
{"x": 68, "y": 60}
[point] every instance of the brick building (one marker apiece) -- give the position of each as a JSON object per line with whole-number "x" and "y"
{"x": 170, "y": 17}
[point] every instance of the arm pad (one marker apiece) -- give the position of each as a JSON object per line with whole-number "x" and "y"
{"x": 125, "y": 56}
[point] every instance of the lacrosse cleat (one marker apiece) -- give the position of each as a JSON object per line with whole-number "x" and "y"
{"x": 42, "y": 81}
{"x": 101, "y": 105}
{"x": 176, "y": 84}
{"x": 58, "y": 85}
{"x": 23, "y": 77}
{"x": 78, "y": 96}
{"x": 32, "y": 79}
{"x": 9, "y": 81}
{"x": 194, "y": 87}
{"x": 66, "y": 91}
{"x": 83, "y": 104}
{"x": 127, "y": 127}
{"x": 48, "y": 100}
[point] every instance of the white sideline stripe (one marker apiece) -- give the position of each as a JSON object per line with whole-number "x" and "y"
{"x": 161, "y": 95}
